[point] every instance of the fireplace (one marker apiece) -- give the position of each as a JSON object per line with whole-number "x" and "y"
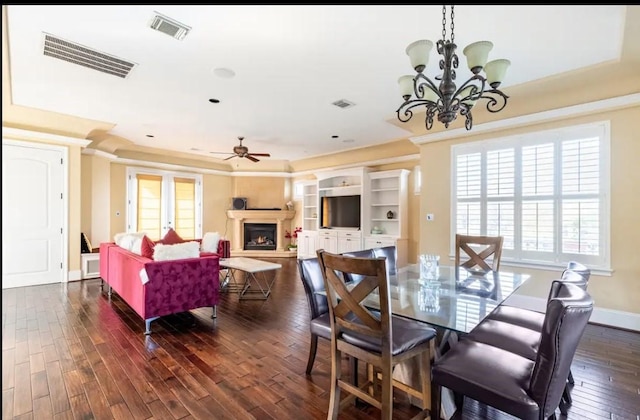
{"x": 260, "y": 236}
{"x": 278, "y": 218}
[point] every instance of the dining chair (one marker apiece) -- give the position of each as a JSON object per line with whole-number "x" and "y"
{"x": 374, "y": 336}
{"x": 503, "y": 379}
{"x": 391, "y": 254}
{"x": 509, "y": 321}
{"x": 319, "y": 323}
{"x": 483, "y": 252}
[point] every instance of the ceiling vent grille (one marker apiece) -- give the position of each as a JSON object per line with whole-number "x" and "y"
{"x": 77, "y": 54}
{"x": 343, "y": 103}
{"x": 169, "y": 26}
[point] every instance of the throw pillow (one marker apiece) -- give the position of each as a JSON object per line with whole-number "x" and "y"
{"x": 210, "y": 242}
{"x": 128, "y": 240}
{"x": 163, "y": 252}
{"x": 147, "y": 247}
{"x": 171, "y": 238}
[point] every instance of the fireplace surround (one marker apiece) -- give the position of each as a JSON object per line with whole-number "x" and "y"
{"x": 280, "y": 218}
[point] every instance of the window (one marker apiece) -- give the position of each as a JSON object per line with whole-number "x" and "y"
{"x": 417, "y": 179}
{"x": 159, "y": 200}
{"x": 546, "y": 193}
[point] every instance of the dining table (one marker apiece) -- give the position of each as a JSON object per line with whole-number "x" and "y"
{"x": 451, "y": 299}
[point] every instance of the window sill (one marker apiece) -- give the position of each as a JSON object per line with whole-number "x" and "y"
{"x": 596, "y": 271}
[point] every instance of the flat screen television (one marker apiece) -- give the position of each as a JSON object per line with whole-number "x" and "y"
{"x": 340, "y": 212}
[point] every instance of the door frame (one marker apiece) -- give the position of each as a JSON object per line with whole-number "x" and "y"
{"x": 64, "y": 150}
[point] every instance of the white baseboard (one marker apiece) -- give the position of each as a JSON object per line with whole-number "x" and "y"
{"x": 75, "y": 275}
{"x": 610, "y": 317}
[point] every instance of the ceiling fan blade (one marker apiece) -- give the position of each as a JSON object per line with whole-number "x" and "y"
{"x": 252, "y": 158}
{"x": 230, "y": 157}
{"x": 260, "y": 154}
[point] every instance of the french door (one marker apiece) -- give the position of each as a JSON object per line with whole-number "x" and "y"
{"x": 160, "y": 200}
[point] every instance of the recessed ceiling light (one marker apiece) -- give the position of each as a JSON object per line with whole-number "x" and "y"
{"x": 150, "y": 135}
{"x": 334, "y": 136}
{"x": 195, "y": 149}
{"x": 224, "y": 73}
{"x": 214, "y": 100}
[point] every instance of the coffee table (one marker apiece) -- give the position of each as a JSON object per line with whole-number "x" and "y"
{"x": 259, "y": 277}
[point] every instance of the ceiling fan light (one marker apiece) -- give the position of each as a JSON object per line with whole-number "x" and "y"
{"x": 496, "y": 70}
{"x": 477, "y": 55}
{"x": 418, "y": 52}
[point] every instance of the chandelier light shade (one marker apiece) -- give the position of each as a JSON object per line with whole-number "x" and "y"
{"x": 446, "y": 100}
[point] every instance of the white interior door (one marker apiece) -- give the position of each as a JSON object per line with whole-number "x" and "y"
{"x": 32, "y": 215}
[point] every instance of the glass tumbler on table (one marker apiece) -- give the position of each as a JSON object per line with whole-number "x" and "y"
{"x": 428, "y": 266}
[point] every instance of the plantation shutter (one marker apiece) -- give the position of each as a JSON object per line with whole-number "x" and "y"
{"x": 468, "y": 189}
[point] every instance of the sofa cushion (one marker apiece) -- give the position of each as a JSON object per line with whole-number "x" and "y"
{"x": 171, "y": 238}
{"x": 163, "y": 252}
{"x": 146, "y": 249}
{"x": 210, "y": 242}
{"x": 130, "y": 241}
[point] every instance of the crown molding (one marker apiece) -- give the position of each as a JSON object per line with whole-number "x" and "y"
{"x": 539, "y": 117}
{"x": 20, "y": 134}
{"x": 99, "y": 153}
{"x": 376, "y": 162}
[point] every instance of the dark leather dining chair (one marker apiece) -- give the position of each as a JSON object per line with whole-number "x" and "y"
{"x": 319, "y": 323}
{"x": 502, "y": 378}
{"x": 521, "y": 327}
{"x": 391, "y": 254}
{"x": 375, "y": 337}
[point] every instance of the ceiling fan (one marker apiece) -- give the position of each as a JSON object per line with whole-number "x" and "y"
{"x": 243, "y": 152}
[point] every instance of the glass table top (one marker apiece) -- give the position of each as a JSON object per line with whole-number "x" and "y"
{"x": 454, "y": 298}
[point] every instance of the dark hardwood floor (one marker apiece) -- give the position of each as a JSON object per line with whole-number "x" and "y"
{"x": 70, "y": 352}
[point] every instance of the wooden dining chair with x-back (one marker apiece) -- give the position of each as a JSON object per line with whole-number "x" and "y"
{"x": 375, "y": 337}
{"x": 483, "y": 252}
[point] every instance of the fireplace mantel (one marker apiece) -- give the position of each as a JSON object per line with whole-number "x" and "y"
{"x": 240, "y": 217}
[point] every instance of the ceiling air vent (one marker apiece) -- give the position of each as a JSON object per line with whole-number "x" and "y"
{"x": 343, "y": 103}
{"x": 77, "y": 54}
{"x": 169, "y": 26}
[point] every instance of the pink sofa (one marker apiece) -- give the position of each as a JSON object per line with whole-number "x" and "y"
{"x": 174, "y": 286}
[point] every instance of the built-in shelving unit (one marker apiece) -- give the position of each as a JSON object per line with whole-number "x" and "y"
{"x": 383, "y": 205}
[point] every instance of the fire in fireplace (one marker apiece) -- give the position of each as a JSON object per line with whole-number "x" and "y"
{"x": 260, "y": 236}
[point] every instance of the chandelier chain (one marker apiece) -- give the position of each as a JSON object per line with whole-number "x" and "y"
{"x": 444, "y": 23}
{"x": 452, "y": 35}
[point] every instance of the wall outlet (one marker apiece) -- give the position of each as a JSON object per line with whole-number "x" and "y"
{"x": 430, "y": 217}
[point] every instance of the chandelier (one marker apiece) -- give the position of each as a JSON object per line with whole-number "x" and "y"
{"x": 447, "y": 100}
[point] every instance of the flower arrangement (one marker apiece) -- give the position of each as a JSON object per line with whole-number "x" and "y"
{"x": 293, "y": 236}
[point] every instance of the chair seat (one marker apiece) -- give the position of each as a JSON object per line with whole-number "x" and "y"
{"x": 321, "y": 326}
{"x": 489, "y": 374}
{"x": 406, "y": 335}
{"x": 514, "y": 338}
{"x": 518, "y": 316}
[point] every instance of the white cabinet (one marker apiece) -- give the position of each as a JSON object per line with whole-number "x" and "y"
{"x": 328, "y": 240}
{"x": 342, "y": 182}
{"x": 401, "y": 244}
{"x": 349, "y": 241}
{"x": 307, "y": 244}
{"x": 90, "y": 265}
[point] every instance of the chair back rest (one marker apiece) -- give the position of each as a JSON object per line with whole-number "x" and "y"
{"x": 313, "y": 282}
{"x": 391, "y": 254}
{"x": 566, "y": 318}
{"x": 345, "y": 308}
{"x": 486, "y": 255}
{"x": 578, "y": 279}
{"x": 576, "y": 267}
{"x": 365, "y": 253}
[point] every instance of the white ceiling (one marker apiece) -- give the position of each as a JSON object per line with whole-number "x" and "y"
{"x": 290, "y": 62}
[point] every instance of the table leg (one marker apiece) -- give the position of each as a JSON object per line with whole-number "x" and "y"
{"x": 261, "y": 280}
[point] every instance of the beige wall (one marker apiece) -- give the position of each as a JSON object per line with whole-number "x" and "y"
{"x": 620, "y": 291}
{"x": 95, "y": 197}
{"x": 261, "y": 191}
{"x": 216, "y": 193}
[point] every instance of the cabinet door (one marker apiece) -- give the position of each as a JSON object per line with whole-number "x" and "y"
{"x": 307, "y": 245}
{"x": 346, "y": 244}
{"x": 328, "y": 243}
